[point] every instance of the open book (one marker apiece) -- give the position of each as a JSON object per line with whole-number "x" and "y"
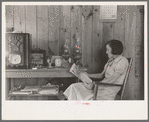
{"x": 79, "y": 74}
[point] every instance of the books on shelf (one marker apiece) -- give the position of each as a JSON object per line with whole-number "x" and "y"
{"x": 46, "y": 89}
{"x": 49, "y": 89}
{"x": 21, "y": 92}
{"x": 27, "y": 90}
{"x": 31, "y": 88}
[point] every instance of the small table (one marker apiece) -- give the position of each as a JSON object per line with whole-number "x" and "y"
{"x": 11, "y": 74}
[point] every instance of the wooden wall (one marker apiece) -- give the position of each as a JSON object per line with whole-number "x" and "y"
{"x": 50, "y": 26}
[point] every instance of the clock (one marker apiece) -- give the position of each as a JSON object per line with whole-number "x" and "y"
{"x": 17, "y": 51}
{"x": 14, "y": 59}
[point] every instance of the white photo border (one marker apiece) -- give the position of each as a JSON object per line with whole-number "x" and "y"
{"x": 76, "y": 110}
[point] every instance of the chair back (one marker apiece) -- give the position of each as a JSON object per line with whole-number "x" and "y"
{"x": 126, "y": 78}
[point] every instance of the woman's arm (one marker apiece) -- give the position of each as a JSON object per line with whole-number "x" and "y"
{"x": 97, "y": 75}
{"x": 112, "y": 79}
{"x": 88, "y": 85}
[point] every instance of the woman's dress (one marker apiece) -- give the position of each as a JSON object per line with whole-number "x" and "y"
{"x": 78, "y": 91}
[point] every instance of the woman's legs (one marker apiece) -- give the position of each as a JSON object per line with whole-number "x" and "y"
{"x": 78, "y": 91}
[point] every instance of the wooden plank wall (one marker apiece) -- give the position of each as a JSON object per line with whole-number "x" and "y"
{"x": 97, "y": 41}
{"x": 135, "y": 49}
{"x": 87, "y": 37}
{"x": 76, "y": 25}
{"x": 53, "y": 28}
{"x": 9, "y": 16}
{"x": 139, "y": 51}
{"x": 64, "y": 26}
{"x": 42, "y": 27}
{"x": 50, "y": 26}
{"x": 19, "y": 18}
{"x": 31, "y": 22}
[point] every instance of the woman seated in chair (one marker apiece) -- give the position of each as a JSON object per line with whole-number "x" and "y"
{"x": 114, "y": 72}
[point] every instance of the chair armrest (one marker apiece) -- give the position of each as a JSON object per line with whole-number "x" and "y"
{"x": 110, "y": 84}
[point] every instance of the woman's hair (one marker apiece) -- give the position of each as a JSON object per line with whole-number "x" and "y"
{"x": 116, "y": 46}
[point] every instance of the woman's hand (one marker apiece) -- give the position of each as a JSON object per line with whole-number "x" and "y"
{"x": 98, "y": 76}
{"x": 85, "y": 73}
{"x": 95, "y": 75}
{"x": 89, "y": 85}
{"x": 84, "y": 77}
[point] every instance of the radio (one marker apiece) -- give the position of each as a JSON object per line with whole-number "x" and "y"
{"x": 17, "y": 51}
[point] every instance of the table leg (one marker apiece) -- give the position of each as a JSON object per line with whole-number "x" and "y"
{"x": 7, "y": 88}
{"x": 39, "y": 82}
{"x": 12, "y": 83}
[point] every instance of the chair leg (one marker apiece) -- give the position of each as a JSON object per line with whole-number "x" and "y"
{"x": 95, "y": 92}
{"x": 117, "y": 97}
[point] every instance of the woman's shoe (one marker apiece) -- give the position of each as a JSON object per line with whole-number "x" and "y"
{"x": 61, "y": 96}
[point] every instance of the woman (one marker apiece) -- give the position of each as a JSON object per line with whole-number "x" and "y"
{"x": 114, "y": 72}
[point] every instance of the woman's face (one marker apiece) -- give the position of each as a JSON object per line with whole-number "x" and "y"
{"x": 108, "y": 51}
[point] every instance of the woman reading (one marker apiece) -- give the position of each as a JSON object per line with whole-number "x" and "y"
{"x": 114, "y": 72}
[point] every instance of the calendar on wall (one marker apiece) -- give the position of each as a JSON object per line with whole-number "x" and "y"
{"x": 108, "y": 11}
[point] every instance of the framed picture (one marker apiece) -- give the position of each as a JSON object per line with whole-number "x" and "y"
{"x": 38, "y": 58}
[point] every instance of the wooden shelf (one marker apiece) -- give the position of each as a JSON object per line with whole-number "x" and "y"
{"x": 31, "y": 95}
